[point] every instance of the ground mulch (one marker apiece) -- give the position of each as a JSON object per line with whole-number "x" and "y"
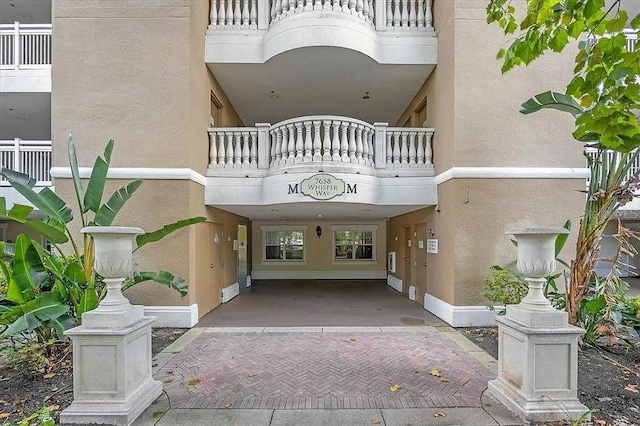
{"x": 608, "y": 377}
{"x": 23, "y": 393}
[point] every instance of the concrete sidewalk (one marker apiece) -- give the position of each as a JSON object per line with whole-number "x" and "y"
{"x": 324, "y": 376}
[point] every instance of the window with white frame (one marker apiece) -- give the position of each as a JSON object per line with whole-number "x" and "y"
{"x": 283, "y": 244}
{"x": 354, "y": 243}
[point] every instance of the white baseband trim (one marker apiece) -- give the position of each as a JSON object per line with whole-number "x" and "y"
{"x": 412, "y": 292}
{"x": 248, "y": 281}
{"x": 160, "y": 173}
{"x": 395, "y": 283}
{"x": 512, "y": 173}
{"x": 379, "y": 274}
{"x": 230, "y": 292}
{"x": 173, "y": 316}
{"x": 460, "y": 316}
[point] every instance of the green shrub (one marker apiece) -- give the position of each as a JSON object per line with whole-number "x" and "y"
{"x": 503, "y": 287}
{"x": 28, "y": 356}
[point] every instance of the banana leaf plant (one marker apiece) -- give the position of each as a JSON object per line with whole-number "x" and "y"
{"x": 38, "y": 292}
{"x": 75, "y": 281}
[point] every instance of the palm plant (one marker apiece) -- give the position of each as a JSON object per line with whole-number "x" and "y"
{"x": 611, "y": 185}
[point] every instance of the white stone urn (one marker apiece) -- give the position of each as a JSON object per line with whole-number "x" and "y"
{"x": 113, "y": 260}
{"x": 536, "y": 260}
{"x": 537, "y": 348}
{"x": 112, "y": 380}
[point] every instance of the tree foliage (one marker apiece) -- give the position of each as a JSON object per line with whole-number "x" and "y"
{"x": 606, "y": 81}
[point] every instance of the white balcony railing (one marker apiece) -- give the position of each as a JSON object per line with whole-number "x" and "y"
{"x": 30, "y": 157}
{"x": 632, "y": 39}
{"x": 25, "y": 46}
{"x": 320, "y": 139}
{"x": 380, "y": 14}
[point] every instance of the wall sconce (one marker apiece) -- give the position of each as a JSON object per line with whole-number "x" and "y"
{"x": 318, "y": 231}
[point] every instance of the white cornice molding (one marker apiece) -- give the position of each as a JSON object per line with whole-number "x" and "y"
{"x": 165, "y": 173}
{"x": 512, "y": 173}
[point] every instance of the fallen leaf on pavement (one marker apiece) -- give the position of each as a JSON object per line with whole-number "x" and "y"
{"x": 193, "y": 382}
{"x": 158, "y": 414}
{"x": 251, "y": 374}
{"x": 353, "y": 339}
{"x": 4, "y": 415}
{"x": 443, "y": 379}
{"x": 169, "y": 380}
{"x": 435, "y": 372}
{"x": 440, "y": 414}
{"x": 51, "y": 408}
{"x": 600, "y": 423}
{"x": 17, "y": 402}
{"x": 394, "y": 388}
{"x": 632, "y": 388}
{"x": 49, "y": 375}
{"x": 227, "y": 405}
{"x": 375, "y": 421}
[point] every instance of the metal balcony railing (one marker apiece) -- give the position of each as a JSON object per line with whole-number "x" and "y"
{"x": 30, "y": 157}
{"x": 25, "y": 46}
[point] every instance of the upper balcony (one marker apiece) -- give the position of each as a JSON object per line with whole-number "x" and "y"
{"x": 359, "y": 167}
{"x": 25, "y": 58}
{"x": 388, "y": 31}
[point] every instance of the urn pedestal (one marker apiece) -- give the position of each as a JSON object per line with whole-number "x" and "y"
{"x": 537, "y": 348}
{"x": 112, "y": 383}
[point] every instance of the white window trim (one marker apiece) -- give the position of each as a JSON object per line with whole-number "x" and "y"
{"x": 372, "y": 228}
{"x": 265, "y": 228}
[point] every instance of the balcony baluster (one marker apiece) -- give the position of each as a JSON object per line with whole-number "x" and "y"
{"x": 245, "y": 13}
{"x": 253, "y": 14}
{"x": 213, "y": 14}
{"x": 428, "y": 15}
{"x": 412, "y": 149}
{"x": 254, "y": 149}
{"x": 359, "y": 144}
{"x": 326, "y": 143}
{"x": 420, "y": 150}
{"x": 314, "y": 139}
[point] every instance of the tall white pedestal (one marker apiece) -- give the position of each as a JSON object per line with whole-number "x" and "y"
{"x": 538, "y": 365}
{"x": 112, "y": 382}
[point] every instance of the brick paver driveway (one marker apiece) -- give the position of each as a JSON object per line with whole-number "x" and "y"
{"x": 294, "y": 370}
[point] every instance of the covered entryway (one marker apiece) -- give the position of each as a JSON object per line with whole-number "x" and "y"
{"x": 302, "y": 303}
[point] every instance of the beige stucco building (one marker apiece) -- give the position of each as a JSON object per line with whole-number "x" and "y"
{"x": 316, "y": 137}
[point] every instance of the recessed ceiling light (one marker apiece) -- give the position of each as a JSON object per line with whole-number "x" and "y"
{"x": 274, "y": 95}
{"x": 366, "y": 95}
